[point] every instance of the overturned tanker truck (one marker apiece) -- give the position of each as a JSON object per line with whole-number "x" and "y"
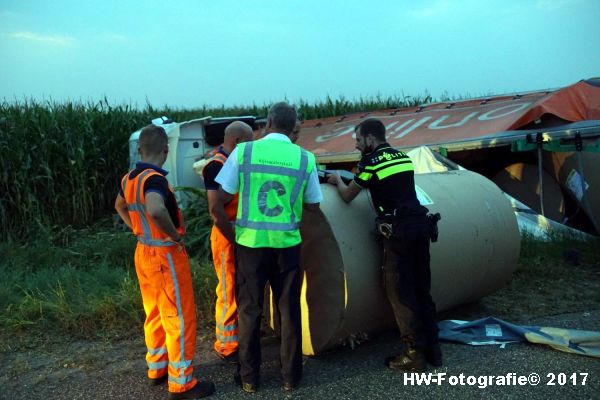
{"x": 483, "y": 164}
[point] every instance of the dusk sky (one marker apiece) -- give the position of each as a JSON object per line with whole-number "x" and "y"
{"x": 185, "y": 54}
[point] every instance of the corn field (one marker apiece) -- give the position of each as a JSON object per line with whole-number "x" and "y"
{"x": 61, "y": 163}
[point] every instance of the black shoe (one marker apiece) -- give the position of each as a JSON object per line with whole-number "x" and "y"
{"x": 433, "y": 354}
{"x": 201, "y": 390}
{"x": 289, "y": 386}
{"x": 158, "y": 381}
{"x": 246, "y": 386}
{"x": 230, "y": 358}
{"x": 412, "y": 360}
{"x": 249, "y": 387}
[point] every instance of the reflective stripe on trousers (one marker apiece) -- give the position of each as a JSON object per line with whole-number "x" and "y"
{"x": 170, "y": 327}
{"x": 226, "y": 327}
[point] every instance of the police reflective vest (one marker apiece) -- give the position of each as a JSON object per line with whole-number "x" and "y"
{"x": 143, "y": 227}
{"x": 273, "y": 177}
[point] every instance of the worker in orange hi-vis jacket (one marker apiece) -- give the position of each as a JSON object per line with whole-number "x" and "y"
{"x": 222, "y": 240}
{"x": 147, "y": 204}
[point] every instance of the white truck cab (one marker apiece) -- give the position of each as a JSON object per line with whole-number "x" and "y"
{"x": 189, "y": 141}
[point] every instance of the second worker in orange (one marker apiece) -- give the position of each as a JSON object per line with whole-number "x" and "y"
{"x": 222, "y": 240}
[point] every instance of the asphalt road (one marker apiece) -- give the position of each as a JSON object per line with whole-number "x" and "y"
{"x": 358, "y": 373}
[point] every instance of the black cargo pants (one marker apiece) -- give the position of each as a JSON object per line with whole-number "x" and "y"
{"x": 407, "y": 280}
{"x": 281, "y": 268}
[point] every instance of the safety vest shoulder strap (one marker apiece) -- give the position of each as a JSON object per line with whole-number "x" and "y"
{"x": 219, "y": 157}
{"x": 135, "y": 198}
{"x": 139, "y": 182}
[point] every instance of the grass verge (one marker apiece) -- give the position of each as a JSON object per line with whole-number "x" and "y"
{"x": 80, "y": 284}
{"x": 556, "y": 277}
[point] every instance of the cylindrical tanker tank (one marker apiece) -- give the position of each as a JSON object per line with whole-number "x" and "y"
{"x": 342, "y": 296}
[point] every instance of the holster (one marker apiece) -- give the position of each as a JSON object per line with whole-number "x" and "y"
{"x": 384, "y": 226}
{"x": 391, "y": 226}
{"x": 432, "y": 220}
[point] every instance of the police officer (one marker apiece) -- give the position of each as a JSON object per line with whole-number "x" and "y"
{"x": 389, "y": 175}
{"x": 274, "y": 178}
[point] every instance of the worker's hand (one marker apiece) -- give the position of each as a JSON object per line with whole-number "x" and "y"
{"x": 180, "y": 243}
{"x": 333, "y": 179}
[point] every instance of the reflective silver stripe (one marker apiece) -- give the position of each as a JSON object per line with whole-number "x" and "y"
{"x": 181, "y": 364}
{"x": 246, "y": 192}
{"x": 247, "y": 168}
{"x": 155, "y": 242}
{"x": 271, "y": 226}
{"x": 146, "y": 238}
{"x": 227, "y": 339}
{"x": 158, "y": 365}
{"x": 138, "y": 200}
{"x": 224, "y": 286}
{"x": 299, "y": 182}
{"x": 229, "y": 328}
{"x": 135, "y": 207}
{"x": 182, "y": 380}
{"x": 157, "y": 351}
{"x": 179, "y": 309}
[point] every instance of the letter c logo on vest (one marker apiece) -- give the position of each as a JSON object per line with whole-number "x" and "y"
{"x": 262, "y": 198}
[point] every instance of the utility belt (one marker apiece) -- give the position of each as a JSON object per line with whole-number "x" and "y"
{"x": 401, "y": 227}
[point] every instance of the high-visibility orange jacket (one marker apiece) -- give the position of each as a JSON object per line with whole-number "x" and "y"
{"x": 226, "y": 321}
{"x": 163, "y": 272}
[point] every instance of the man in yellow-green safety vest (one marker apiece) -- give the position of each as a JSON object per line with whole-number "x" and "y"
{"x": 274, "y": 179}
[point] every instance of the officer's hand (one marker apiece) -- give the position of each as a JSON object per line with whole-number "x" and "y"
{"x": 333, "y": 179}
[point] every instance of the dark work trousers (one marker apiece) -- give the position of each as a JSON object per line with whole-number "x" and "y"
{"x": 407, "y": 280}
{"x": 281, "y": 268}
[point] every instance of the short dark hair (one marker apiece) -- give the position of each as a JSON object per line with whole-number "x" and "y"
{"x": 371, "y": 126}
{"x": 153, "y": 139}
{"x": 283, "y": 117}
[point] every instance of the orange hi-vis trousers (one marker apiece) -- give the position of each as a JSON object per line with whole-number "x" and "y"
{"x": 170, "y": 327}
{"x": 226, "y": 327}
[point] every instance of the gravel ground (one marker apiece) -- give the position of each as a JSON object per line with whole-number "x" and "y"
{"x": 96, "y": 370}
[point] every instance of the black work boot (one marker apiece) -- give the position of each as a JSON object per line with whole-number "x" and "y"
{"x": 202, "y": 389}
{"x": 411, "y": 360}
{"x": 248, "y": 387}
{"x": 230, "y": 358}
{"x": 289, "y": 385}
{"x": 433, "y": 354}
{"x": 158, "y": 381}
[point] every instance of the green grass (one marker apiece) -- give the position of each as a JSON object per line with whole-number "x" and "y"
{"x": 81, "y": 284}
{"x": 198, "y": 222}
{"x": 66, "y": 274}
{"x": 557, "y": 277}
{"x": 562, "y": 276}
